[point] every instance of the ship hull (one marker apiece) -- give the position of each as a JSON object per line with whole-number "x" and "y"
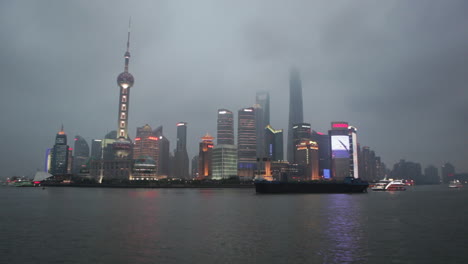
{"x": 309, "y": 187}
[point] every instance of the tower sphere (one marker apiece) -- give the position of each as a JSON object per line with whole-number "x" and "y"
{"x": 125, "y": 80}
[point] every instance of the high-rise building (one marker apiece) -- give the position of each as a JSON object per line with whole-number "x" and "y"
{"x": 295, "y": 109}
{"x": 96, "y": 149}
{"x": 246, "y": 143}
{"x": 300, "y": 132}
{"x": 448, "y": 172}
{"x": 323, "y": 141}
{"x": 205, "y": 157}
{"x": 181, "y": 162}
{"x": 274, "y": 143}
{"x": 225, "y": 127}
{"x": 354, "y": 153}
{"x": 146, "y": 144}
{"x": 59, "y": 160}
{"x": 340, "y": 145}
{"x": 407, "y": 170}
{"x": 194, "y": 168}
{"x": 431, "y": 175}
{"x": 307, "y": 156}
{"x": 81, "y": 154}
{"x": 262, "y": 119}
{"x": 224, "y": 162}
{"x": 163, "y": 153}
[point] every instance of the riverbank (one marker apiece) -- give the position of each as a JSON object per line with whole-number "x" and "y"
{"x": 148, "y": 185}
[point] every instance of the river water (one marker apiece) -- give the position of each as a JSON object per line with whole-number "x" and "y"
{"x": 426, "y": 224}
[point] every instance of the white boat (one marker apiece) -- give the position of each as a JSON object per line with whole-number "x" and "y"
{"x": 389, "y": 185}
{"x": 455, "y": 184}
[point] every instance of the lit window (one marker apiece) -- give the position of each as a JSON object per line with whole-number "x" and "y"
{"x": 123, "y": 116}
{"x": 122, "y": 132}
{"x": 124, "y": 90}
{"x": 122, "y": 124}
{"x": 124, "y": 98}
{"x": 124, "y": 107}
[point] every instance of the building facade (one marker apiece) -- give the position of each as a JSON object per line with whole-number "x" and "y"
{"x": 246, "y": 143}
{"x": 224, "y": 161}
{"x": 307, "y": 156}
{"x": 205, "y": 157}
{"x": 59, "y": 155}
{"x": 225, "y": 127}
{"x": 262, "y": 120}
{"x": 295, "y": 109}
{"x": 274, "y": 143}
{"x": 181, "y": 161}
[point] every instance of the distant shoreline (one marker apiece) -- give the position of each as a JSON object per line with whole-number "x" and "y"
{"x": 153, "y": 186}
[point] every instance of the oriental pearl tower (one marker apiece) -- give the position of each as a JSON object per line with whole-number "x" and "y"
{"x": 125, "y": 80}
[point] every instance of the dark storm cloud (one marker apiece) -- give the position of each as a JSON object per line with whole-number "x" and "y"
{"x": 394, "y": 69}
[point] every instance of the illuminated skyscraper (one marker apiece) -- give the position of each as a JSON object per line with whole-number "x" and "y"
{"x": 247, "y": 142}
{"x": 181, "y": 162}
{"x": 81, "y": 154}
{"x": 274, "y": 143}
{"x": 306, "y": 155}
{"x": 295, "y": 108}
{"x": 205, "y": 157}
{"x": 340, "y": 150}
{"x": 300, "y": 133}
{"x": 262, "y": 119}
{"x": 354, "y": 152}
{"x": 146, "y": 145}
{"x": 123, "y": 147}
{"x": 225, "y": 127}
{"x": 59, "y": 161}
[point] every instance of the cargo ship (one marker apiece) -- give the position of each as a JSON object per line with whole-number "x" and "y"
{"x": 349, "y": 185}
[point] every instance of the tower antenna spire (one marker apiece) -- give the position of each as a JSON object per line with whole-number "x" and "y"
{"x": 128, "y": 39}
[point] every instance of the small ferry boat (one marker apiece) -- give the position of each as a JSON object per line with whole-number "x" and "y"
{"x": 389, "y": 185}
{"x": 455, "y": 184}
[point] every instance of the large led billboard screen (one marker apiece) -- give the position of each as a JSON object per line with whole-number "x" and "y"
{"x": 340, "y": 146}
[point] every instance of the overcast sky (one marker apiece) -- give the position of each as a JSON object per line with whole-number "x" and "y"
{"x": 396, "y": 70}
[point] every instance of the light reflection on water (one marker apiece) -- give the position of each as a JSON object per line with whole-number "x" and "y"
{"x": 77, "y": 225}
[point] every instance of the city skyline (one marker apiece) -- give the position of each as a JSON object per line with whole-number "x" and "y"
{"x": 390, "y": 89}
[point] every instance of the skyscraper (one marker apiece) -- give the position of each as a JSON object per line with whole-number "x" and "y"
{"x": 323, "y": 141}
{"x": 59, "y": 161}
{"x": 81, "y": 154}
{"x": 354, "y": 153}
{"x": 163, "y": 153}
{"x": 262, "y": 119}
{"x": 181, "y": 166}
{"x": 247, "y": 142}
{"x": 300, "y": 133}
{"x": 295, "y": 108}
{"x": 225, "y": 127}
{"x": 340, "y": 147}
{"x": 307, "y": 156}
{"x": 96, "y": 149}
{"x": 205, "y": 157}
{"x": 274, "y": 143}
{"x": 145, "y": 143}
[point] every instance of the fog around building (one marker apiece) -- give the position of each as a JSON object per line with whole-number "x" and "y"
{"x": 396, "y": 70}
